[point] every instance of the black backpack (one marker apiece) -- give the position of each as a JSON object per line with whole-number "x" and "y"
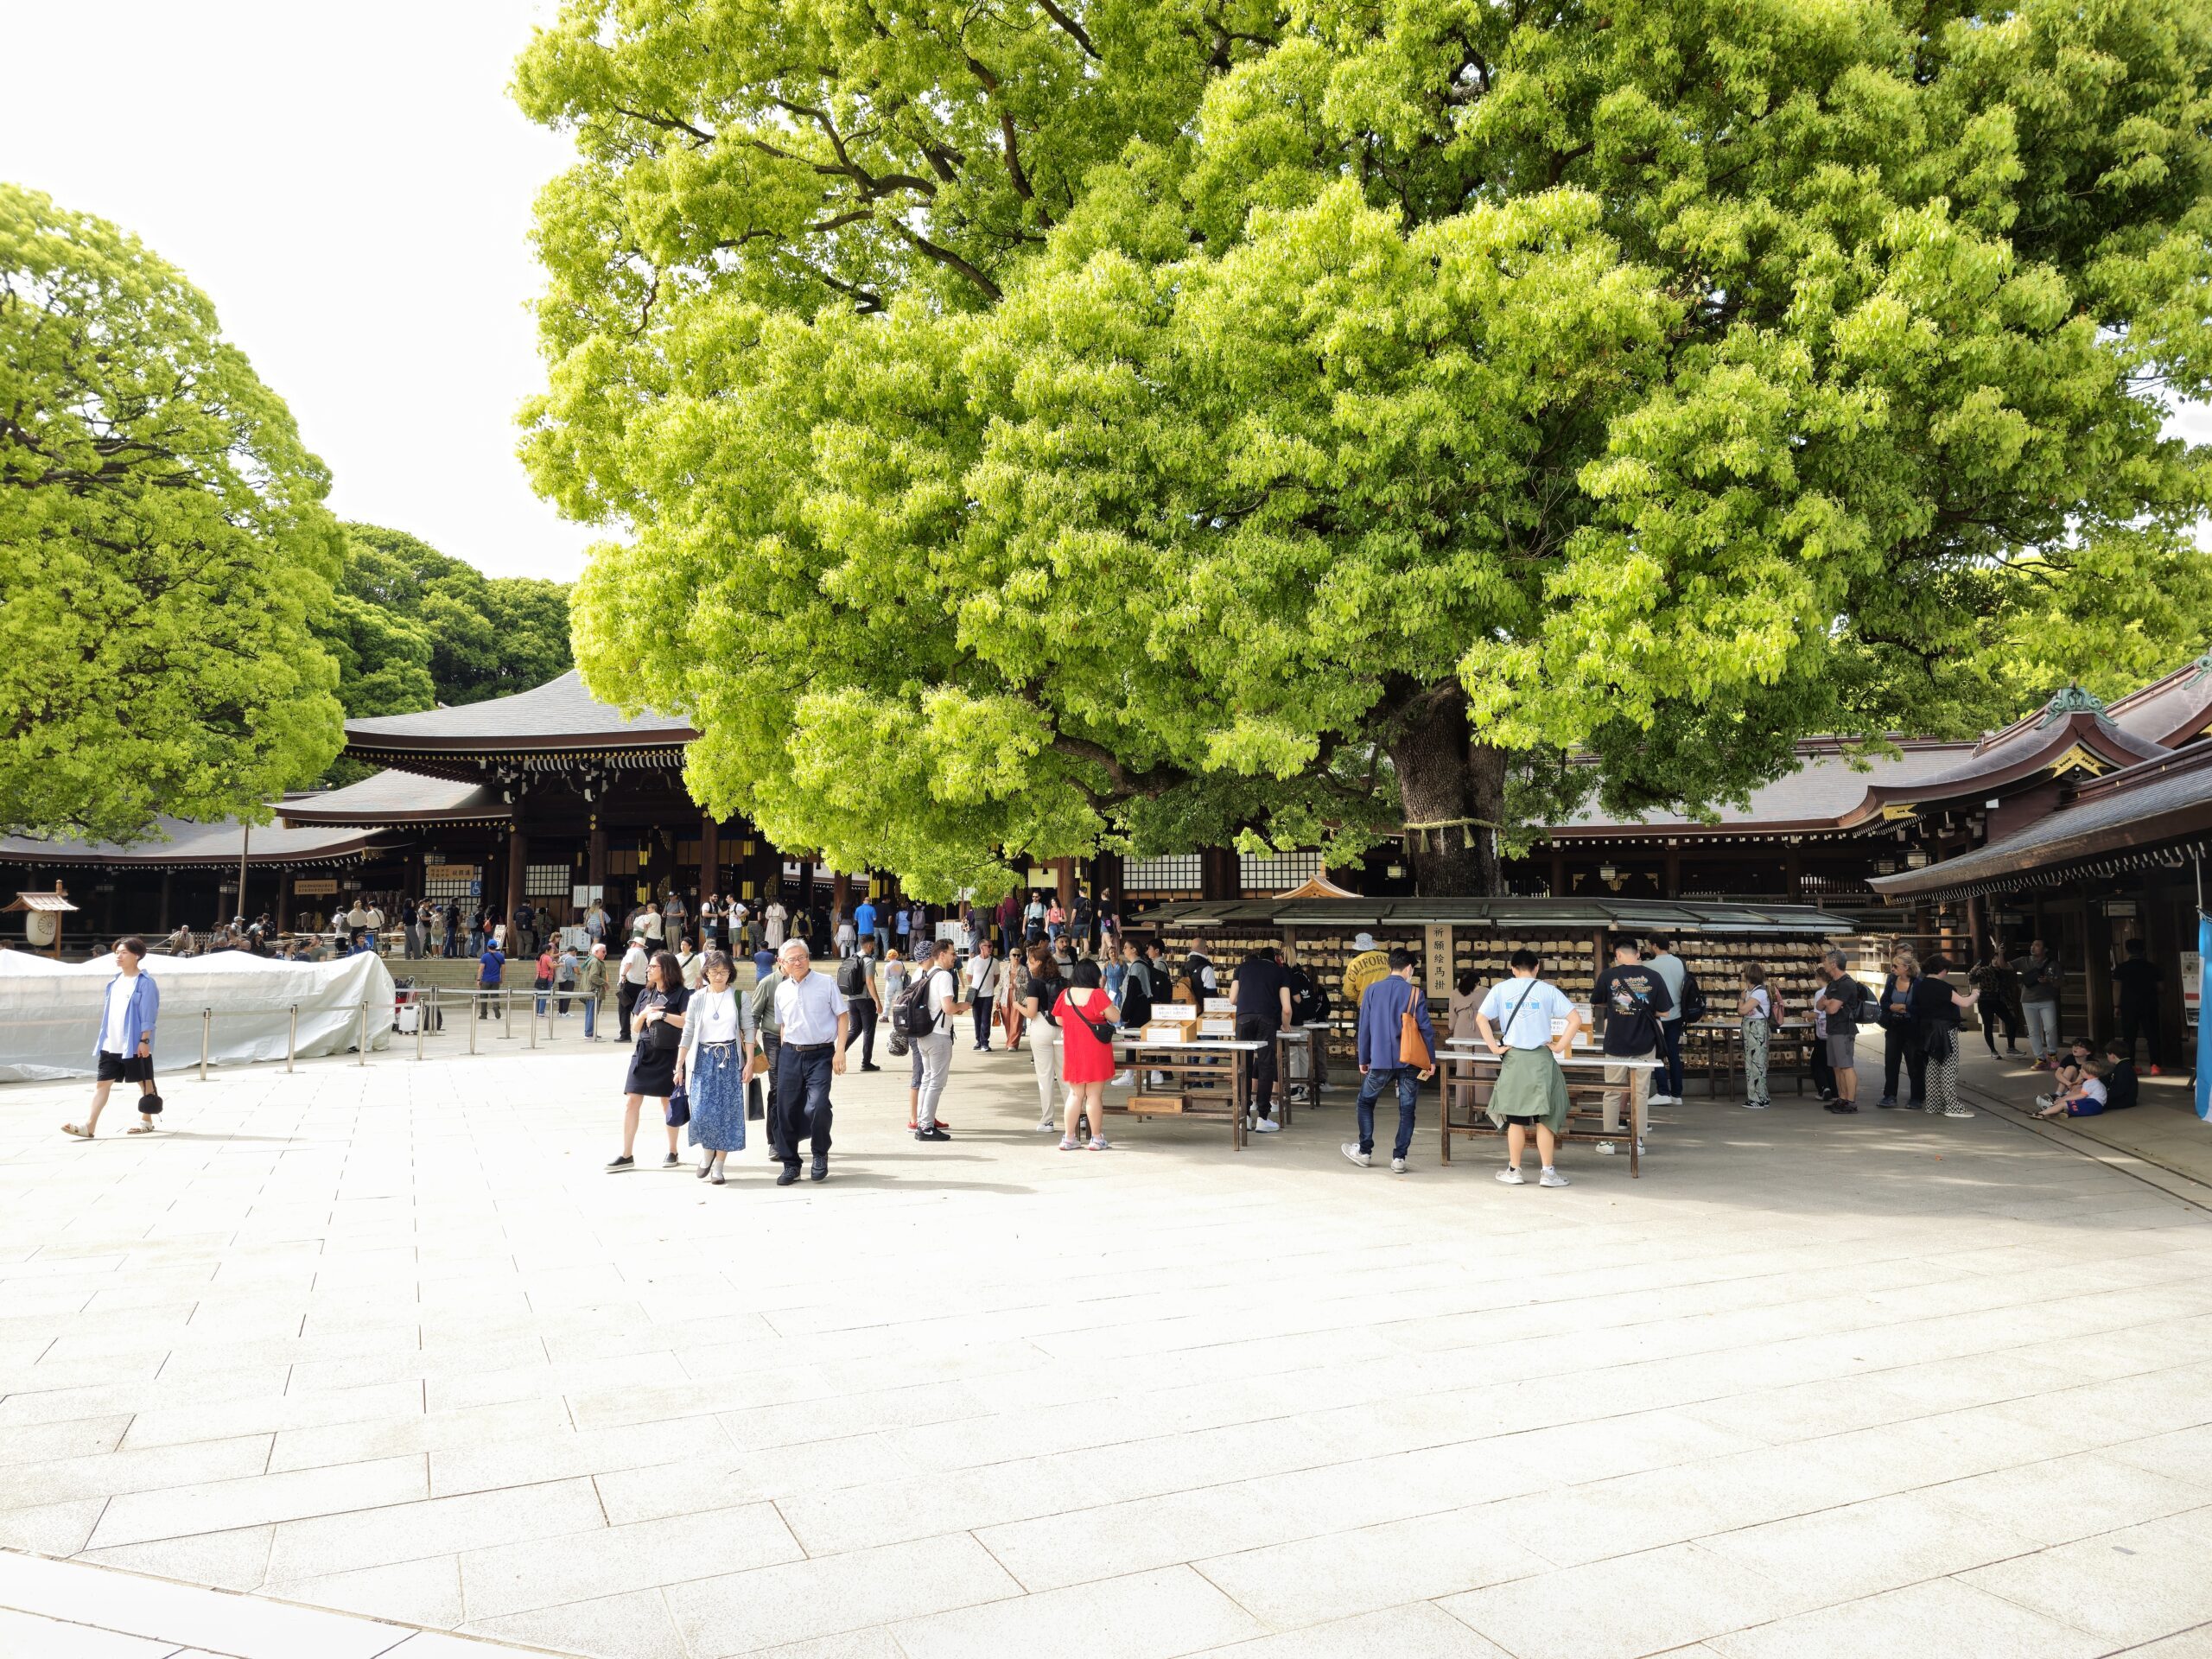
{"x": 1693, "y": 1009}
{"x": 852, "y": 977}
{"x": 911, "y": 1016}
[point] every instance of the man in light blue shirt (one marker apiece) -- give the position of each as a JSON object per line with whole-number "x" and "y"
{"x": 1672, "y": 973}
{"x": 811, "y": 1015}
{"x": 864, "y": 924}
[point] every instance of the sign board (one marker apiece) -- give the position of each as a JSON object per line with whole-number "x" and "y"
{"x": 458, "y": 871}
{"x": 2192, "y": 984}
{"x": 315, "y": 886}
{"x": 583, "y": 896}
{"x": 1436, "y": 969}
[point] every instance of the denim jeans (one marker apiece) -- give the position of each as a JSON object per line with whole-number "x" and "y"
{"x": 802, "y": 1101}
{"x": 591, "y": 1016}
{"x": 1670, "y": 1038}
{"x": 2042, "y": 1027}
{"x": 1370, "y": 1089}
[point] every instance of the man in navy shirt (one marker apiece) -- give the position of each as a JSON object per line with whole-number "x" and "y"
{"x": 1382, "y": 1013}
{"x": 490, "y": 967}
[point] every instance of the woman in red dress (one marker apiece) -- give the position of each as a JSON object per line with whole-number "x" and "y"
{"x": 1088, "y": 1061}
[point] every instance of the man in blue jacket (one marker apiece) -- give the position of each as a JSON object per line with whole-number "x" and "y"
{"x": 1382, "y": 1012}
{"x": 122, "y": 1050}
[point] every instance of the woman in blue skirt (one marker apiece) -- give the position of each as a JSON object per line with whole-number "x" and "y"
{"x": 717, "y": 1059}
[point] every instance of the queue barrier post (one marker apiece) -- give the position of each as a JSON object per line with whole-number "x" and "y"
{"x": 475, "y": 1015}
{"x": 207, "y": 1035}
{"x": 422, "y": 1019}
{"x": 361, "y": 1043}
{"x": 292, "y": 1039}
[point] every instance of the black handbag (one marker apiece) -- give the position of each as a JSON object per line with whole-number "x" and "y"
{"x": 150, "y": 1103}
{"x": 679, "y": 1107}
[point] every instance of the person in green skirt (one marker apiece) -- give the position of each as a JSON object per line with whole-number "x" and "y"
{"x": 1516, "y": 1020}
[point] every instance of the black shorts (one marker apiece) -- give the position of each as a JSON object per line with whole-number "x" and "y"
{"x": 123, "y": 1068}
{"x": 1525, "y": 1122}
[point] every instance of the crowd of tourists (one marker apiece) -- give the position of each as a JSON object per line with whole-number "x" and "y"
{"x": 717, "y": 1054}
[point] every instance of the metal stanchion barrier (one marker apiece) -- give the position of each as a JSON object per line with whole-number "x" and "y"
{"x": 207, "y": 1035}
{"x": 475, "y": 1015}
{"x": 422, "y": 1019}
{"x": 507, "y": 1014}
{"x": 361, "y": 1046}
{"x": 292, "y": 1039}
{"x": 533, "y": 1024}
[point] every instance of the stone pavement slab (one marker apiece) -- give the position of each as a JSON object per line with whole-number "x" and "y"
{"x": 386, "y": 1343}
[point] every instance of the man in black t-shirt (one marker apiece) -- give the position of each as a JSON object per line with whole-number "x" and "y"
{"x": 1842, "y": 1001}
{"x": 1631, "y": 995}
{"x": 2138, "y": 979}
{"x": 1262, "y": 992}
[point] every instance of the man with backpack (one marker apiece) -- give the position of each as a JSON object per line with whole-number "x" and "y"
{"x": 1635, "y": 999}
{"x": 1842, "y": 1000}
{"x": 924, "y": 1017}
{"x": 982, "y": 990}
{"x": 1675, "y": 973}
{"x": 856, "y": 979}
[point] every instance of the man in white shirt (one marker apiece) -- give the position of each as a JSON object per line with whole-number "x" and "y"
{"x": 813, "y": 1019}
{"x": 935, "y": 1048}
{"x": 982, "y": 990}
{"x": 1672, "y": 972}
{"x": 632, "y": 984}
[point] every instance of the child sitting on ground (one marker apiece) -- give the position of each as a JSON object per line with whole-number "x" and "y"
{"x": 2067, "y": 1069}
{"x": 2122, "y": 1086}
{"x": 2085, "y": 1099}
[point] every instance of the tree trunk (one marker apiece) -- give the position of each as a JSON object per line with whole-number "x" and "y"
{"x": 1447, "y": 780}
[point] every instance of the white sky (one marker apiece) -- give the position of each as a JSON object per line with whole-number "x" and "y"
{"x": 351, "y": 185}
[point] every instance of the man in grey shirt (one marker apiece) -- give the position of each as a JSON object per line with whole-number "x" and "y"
{"x": 1671, "y": 971}
{"x": 2040, "y": 978}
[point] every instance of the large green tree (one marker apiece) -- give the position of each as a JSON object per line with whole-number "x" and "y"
{"x": 163, "y": 545}
{"x": 1060, "y": 422}
{"x": 412, "y": 628}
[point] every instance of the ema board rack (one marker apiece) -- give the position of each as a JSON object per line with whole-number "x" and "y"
{"x": 1344, "y": 943}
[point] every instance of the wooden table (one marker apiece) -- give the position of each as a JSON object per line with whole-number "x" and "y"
{"x": 1312, "y": 1042}
{"x": 1470, "y": 1072}
{"x": 1720, "y": 1051}
{"x": 1196, "y": 1072}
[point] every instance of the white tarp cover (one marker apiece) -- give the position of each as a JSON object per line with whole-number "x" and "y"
{"x": 50, "y": 1011}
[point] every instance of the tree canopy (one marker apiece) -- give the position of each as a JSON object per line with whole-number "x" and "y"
{"x": 1164, "y": 423}
{"x": 412, "y": 628}
{"x": 164, "y": 545}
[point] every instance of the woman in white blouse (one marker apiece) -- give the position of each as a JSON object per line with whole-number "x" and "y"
{"x": 717, "y": 1059}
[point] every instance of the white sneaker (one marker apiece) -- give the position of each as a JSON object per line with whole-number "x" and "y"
{"x": 2042, "y": 1100}
{"x": 1397, "y": 1166}
{"x": 1350, "y": 1149}
{"x": 1552, "y": 1177}
{"x": 1123, "y": 1079}
{"x": 1757, "y": 1105}
{"x": 1266, "y": 1126}
{"x": 1958, "y": 1111}
{"x": 1511, "y": 1176}
{"x": 1662, "y": 1100}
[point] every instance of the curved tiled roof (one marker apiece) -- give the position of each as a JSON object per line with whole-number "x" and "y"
{"x": 2169, "y": 711}
{"x": 2156, "y": 802}
{"x": 395, "y": 798}
{"x": 560, "y": 712}
{"x": 185, "y": 843}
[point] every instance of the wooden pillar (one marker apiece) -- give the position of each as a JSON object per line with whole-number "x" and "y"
{"x": 1793, "y": 875}
{"x": 1064, "y": 882}
{"x": 805, "y": 889}
{"x": 518, "y": 862}
{"x": 841, "y": 889}
{"x": 596, "y": 857}
{"x": 710, "y": 856}
{"x": 1559, "y": 872}
{"x": 284, "y": 896}
{"x": 169, "y": 892}
{"x": 1670, "y": 880}
{"x": 2096, "y": 970}
{"x": 1109, "y": 865}
{"x": 2165, "y": 907}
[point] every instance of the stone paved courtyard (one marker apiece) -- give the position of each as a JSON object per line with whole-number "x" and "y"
{"x": 386, "y": 1340}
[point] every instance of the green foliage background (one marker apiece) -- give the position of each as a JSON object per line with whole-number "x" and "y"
{"x": 1157, "y": 424}
{"x": 163, "y": 547}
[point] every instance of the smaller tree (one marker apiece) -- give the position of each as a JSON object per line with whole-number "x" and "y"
{"x": 163, "y": 545}
{"x": 479, "y": 636}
